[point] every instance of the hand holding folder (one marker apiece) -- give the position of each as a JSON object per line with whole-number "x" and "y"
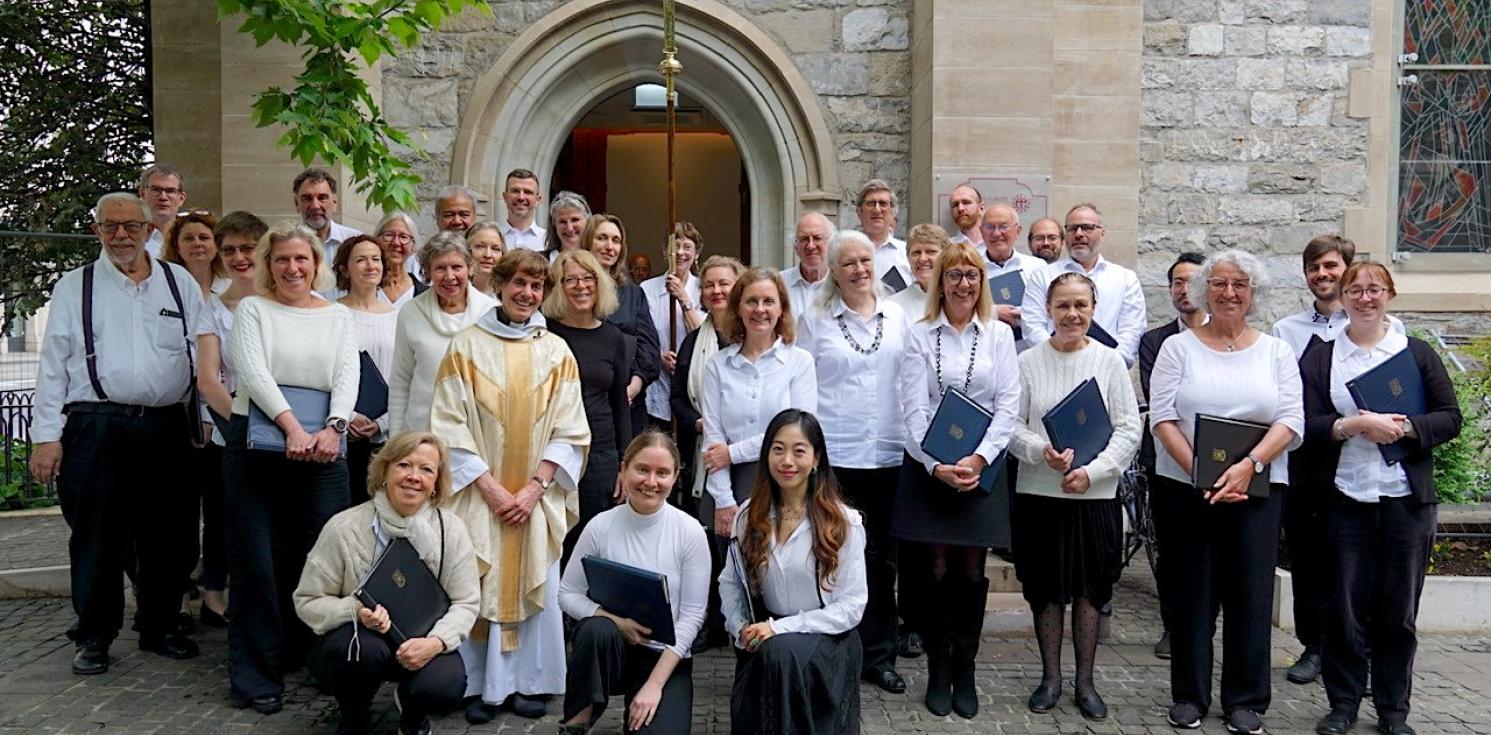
{"x": 1393, "y": 387}
{"x": 956, "y": 430}
{"x": 1080, "y": 422}
{"x": 1219, "y": 443}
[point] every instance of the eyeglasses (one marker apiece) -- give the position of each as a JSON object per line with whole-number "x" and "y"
{"x": 953, "y": 278}
{"x": 109, "y": 228}
{"x": 999, "y": 228}
{"x": 194, "y": 212}
{"x": 572, "y": 281}
{"x": 1045, "y": 238}
{"x": 395, "y": 237}
{"x": 1179, "y": 282}
{"x": 1083, "y": 227}
{"x": 159, "y": 190}
{"x": 1222, "y": 284}
{"x": 1356, "y": 292}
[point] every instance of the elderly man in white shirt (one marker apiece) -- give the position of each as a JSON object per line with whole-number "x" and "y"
{"x": 116, "y": 369}
{"x": 810, "y": 242}
{"x": 1000, "y": 227}
{"x": 520, "y": 194}
{"x": 1120, "y": 308}
{"x": 877, "y": 208}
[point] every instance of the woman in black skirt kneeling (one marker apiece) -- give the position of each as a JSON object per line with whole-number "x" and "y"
{"x": 946, "y": 521}
{"x": 802, "y": 552}
{"x": 1069, "y": 541}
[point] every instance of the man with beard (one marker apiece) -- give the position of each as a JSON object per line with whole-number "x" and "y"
{"x": 1000, "y": 227}
{"x": 877, "y": 210}
{"x": 1120, "y": 307}
{"x": 315, "y": 199}
{"x": 163, "y": 189}
{"x": 1045, "y": 239}
{"x": 116, "y": 368}
{"x": 1325, "y": 259}
{"x": 967, "y": 205}
{"x": 811, "y": 245}
{"x": 1189, "y": 315}
{"x": 521, "y": 197}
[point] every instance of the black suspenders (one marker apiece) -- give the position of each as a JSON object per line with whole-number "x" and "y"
{"x": 89, "y": 351}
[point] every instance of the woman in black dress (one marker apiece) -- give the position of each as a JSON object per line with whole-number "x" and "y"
{"x": 605, "y": 238}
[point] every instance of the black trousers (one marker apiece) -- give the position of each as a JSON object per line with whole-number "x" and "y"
{"x": 602, "y": 664}
{"x": 873, "y": 492}
{"x": 125, "y": 491}
{"x": 1376, "y": 557}
{"x": 1304, "y": 513}
{"x": 1218, "y": 557}
{"x": 208, "y": 473}
{"x": 277, "y": 507}
{"x": 352, "y": 672}
{"x": 596, "y": 490}
{"x": 359, "y": 454}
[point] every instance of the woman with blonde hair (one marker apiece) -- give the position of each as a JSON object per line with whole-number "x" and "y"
{"x": 485, "y": 241}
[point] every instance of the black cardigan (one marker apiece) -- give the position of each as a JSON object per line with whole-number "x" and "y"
{"x": 1320, "y": 452}
{"x": 678, "y": 397}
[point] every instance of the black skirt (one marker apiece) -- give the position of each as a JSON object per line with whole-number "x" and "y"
{"x": 1067, "y": 549}
{"x": 805, "y": 683}
{"x": 929, "y": 512}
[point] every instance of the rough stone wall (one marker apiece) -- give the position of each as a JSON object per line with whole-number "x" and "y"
{"x": 856, "y": 56}
{"x": 1245, "y": 140}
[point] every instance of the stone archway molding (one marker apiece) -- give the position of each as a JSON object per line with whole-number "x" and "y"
{"x": 521, "y": 110}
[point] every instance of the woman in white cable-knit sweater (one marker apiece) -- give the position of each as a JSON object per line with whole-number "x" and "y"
{"x": 1068, "y": 534}
{"x": 352, "y": 657}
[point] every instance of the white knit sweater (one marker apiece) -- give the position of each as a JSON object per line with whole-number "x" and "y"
{"x": 275, "y": 345}
{"x": 1047, "y": 376}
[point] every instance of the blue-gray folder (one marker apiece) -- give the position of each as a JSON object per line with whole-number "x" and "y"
{"x": 1080, "y": 422}
{"x": 956, "y": 431}
{"x": 631, "y": 592}
{"x": 1395, "y": 386}
{"x": 310, "y": 407}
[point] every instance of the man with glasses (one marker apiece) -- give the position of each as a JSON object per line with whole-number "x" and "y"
{"x": 810, "y": 242}
{"x": 116, "y": 371}
{"x": 877, "y": 208}
{"x": 1120, "y": 307}
{"x": 1000, "y": 230}
{"x": 967, "y": 206}
{"x": 1045, "y": 239}
{"x": 163, "y": 189}
{"x": 316, "y": 199}
{"x": 1325, "y": 259}
{"x": 521, "y": 197}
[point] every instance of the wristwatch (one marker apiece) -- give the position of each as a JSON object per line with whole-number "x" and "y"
{"x": 542, "y": 482}
{"x": 1258, "y": 465}
{"x": 339, "y": 424}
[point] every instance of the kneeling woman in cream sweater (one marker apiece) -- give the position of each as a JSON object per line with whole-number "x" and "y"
{"x": 351, "y": 657}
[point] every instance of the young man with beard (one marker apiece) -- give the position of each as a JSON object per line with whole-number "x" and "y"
{"x": 967, "y": 207}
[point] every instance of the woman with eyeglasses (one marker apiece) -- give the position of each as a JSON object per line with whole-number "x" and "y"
{"x": 398, "y": 235}
{"x": 1381, "y": 517}
{"x": 677, "y": 293}
{"x": 1219, "y": 544}
{"x": 945, "y": 520}
{"x": 576, "y": 311}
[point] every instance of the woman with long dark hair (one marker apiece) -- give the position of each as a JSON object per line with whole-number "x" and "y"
{"x": 605, "y": 238}
{"x": 802, "y": 550}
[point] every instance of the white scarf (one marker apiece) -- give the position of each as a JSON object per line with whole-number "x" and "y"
{"x": 705, "y": 345}
{"x": 418, "y": 528}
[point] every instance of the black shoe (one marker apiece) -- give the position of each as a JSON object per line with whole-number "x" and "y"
{"x": 479, "y": 712}
{"x": 528, "y": 707}
{"x": 212, "y": 619}
{"x": 1043, "y": 699}
{"x": 1336, "y": 722}
{"x": 170, "y": 645}
{"x": 185, "y": 623}
{"x": 965, "y": 694}
{"x": 267, "y": 704}
{"x": 887, "y": 679}
{"x": 1162, "y": 646}
{"x": 1091, "y": 706}
{"x": 1395, "y": 727}
{"x": 1184, "y": 715}
{"x": 92, "y": 658}
{"x": 1244, "y": 722}
{"x": 1307, "y": 668}
{"x": 422, "y": 727}
{"x": 911, "y": 645}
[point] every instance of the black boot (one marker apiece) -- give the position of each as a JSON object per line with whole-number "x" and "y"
{"x": 936, "y": 642}
{"x": 968, "y": 626}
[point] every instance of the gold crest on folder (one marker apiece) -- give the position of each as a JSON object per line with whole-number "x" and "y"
{"x": 1219, "y": 455}
{"x": 1395, "y": 387}
{"x": 1082, "y": 417}
{"x": 1004, "y": 293}
{"x": 399, "y": 579}
{"x": 956, "y": 431}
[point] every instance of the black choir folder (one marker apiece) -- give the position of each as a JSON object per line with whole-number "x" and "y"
{"x": 1395, "y": 386}
{"x": 1008, "y": 288}
{"x": 1101, "y": 335}
{"x": 956, "y": 431}
{"x": 405, "y": 587}
{"x": 631, "y": 592}
{"x": 372, "y": 389}
{"x": 1080, "y": 422}
{"x": 893, "y": 280}
{"x": 1219, "y": 443}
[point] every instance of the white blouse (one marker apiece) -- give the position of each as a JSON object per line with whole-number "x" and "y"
{"x": 669, "y": 542}
{"x": 1259, "y": 383}
{"x": 375, "y": 336}
{"x": 217, "y": 321}
{"x": 740, "y": 398}
{"x": 857, "y": 403}
{"x": 789, "y": 584}
{"x": 1362, "y": 474}
{"x": 995, "y": 382}
{"x": 656, "y": 291}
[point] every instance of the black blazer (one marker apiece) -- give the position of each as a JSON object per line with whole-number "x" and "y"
{"x": 1149, "y": 349}
{"x": 1320, "y": 453}
{"x": 678, "y": 398}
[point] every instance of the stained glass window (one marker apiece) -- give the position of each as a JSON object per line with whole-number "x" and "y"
{"x": 1444, "y": 179}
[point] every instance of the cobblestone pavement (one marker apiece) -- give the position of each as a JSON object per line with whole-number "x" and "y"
{"x": 33, "y": 540}
{"x": 143, "y": 693}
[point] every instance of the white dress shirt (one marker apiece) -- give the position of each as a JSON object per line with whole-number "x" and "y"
{"x": 995, "y": 384}
{"x": 155, "y": 243}
{"x": 137, "y": 336}
{"x": 656, "y": 291}
{"x": 528, "y": 238}
{"x": 802, "y": 293}
{"x": 1297, "y": 329}
{"x": 1362, "y": 474}
{"x": 912, "y": 300}
{"x": 1259, "y": 383}
{"x": 857, "y": 402}
{"x": 669, "y": 542}
{"x": 217, "y": 321}
{"x": 1033, "y": 274}
{"x": 892, "y": 254}
{"x": 337, "y": 234}
{"x": 1120, "y": 308}
{"x": 741, "y": 397}
{"x": 789, "y": 584}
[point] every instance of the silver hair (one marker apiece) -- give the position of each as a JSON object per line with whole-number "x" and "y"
{"x": 442, "y": 243}
{"x": 1246, "y": 262}
{"x": 127, "y": 198}
{"x": 162, "y": 169}
{"x": 400, "y": 217}
{"x": 832, "y": 228}
{"x": 874, "y": 185}
{"x": 830, "y": 292}
{"x": 568, "y": 200}
{"x": 456, "y": 191}
{"x": 1003, "y": 205}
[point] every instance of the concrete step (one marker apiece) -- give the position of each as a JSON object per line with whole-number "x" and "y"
{"x": 1001, "y": 575}
{"x": 1007, "y": 615}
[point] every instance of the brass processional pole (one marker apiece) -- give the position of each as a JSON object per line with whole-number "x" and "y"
{"x": 670, "y": 68}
